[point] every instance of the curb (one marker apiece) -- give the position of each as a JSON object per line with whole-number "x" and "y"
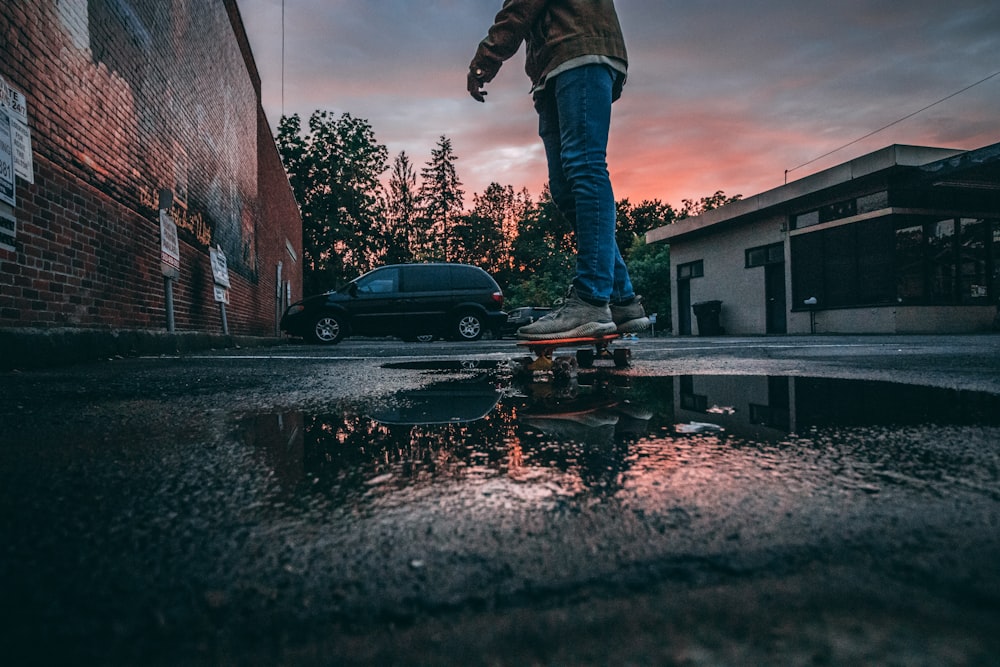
{"x": 22, "y": 349}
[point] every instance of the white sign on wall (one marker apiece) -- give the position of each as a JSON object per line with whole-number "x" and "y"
{"x": 170, "y": 247}
{"x": 15, "y": 105}
{"x": 220, "y": 269}
{"x": 221, "y": 294}
{"x": 8, "y": 226}
{"x": 14, "y": 101}
{"x": 24, "y": 165}
{"x": 6, "y": 160}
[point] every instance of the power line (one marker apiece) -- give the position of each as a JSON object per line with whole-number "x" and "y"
{"x": 895, "y": 122}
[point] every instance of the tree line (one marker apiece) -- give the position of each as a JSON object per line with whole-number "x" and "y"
{"x": 353, "y": 221}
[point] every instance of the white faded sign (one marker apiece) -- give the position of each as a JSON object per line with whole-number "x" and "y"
{"x": 6, "y": 160}
{"x": 220, "y": 270}
{"x": 14, "y": 101}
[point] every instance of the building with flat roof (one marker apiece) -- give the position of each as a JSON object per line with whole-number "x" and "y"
{"x": 903, "y": 240}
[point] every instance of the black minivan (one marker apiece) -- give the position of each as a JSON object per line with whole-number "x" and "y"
{"x": 411, "y": 301}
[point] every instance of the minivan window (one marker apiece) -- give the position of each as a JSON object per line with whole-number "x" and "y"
{"x": 425, "y": 279}
{"x": 383, "y": 281}
{"x": 464, "y": 277}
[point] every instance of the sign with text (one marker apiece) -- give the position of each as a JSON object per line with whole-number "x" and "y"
{"x": 220, "y": 270}
{"x": 8, "y": 227}
{"x": 20, "y": 136}
{"x": 13, "y": 100}
{"x": 6, "y": 160}
{"x": 221, "y": 294}
{"x": 170, "y": 247}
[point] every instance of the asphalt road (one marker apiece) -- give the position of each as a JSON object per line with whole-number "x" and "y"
{"x": 788, "y": 500}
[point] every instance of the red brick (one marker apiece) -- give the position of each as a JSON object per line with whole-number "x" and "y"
{"x": 106, "y": 134}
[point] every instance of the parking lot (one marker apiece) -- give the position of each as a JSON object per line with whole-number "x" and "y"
{"x": 779, "y": 500}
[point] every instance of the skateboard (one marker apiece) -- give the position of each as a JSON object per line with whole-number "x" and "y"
{"x": 588, "y": 350}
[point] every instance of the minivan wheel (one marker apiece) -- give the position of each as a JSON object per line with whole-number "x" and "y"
{"x": 420, "y": 338}
{"x": 327, "y": 329}
{"x": 469, "y": 326}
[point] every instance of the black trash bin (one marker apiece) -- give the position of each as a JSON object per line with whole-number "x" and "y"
{"x": 707, "y": 313}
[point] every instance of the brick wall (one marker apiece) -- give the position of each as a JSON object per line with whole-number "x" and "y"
{"x": 127, "y": 98}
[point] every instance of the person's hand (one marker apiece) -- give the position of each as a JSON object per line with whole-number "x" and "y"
{"x": 475, "y": 85}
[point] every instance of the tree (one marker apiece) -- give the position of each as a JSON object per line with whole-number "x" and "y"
{"x": 441, "y": 202}
{"x": 649, "y": 268}
{"x": 334, "y": 171}
{"x": 493, "y": 225}
{"x": 402, "y": 211}
{"x": 543, "y": 253}
{"x": 690, "y": 208}
{"x": 634, "y": 221}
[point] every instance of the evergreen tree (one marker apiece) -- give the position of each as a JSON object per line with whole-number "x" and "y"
{"x": 441, "y": 204}
{"x": 402, "y": 211}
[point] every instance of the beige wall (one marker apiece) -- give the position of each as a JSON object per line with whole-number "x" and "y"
{"x": 945, "y": 319}
{"x": 899, "y": 319}
{"x": 726, "y": 279}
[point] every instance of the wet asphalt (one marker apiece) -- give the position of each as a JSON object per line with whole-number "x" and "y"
{"x": 724, "y": 501}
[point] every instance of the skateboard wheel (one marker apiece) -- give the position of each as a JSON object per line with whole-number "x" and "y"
{"x": 521, "y": 368}
{"x": 564, "y": 368}
{"x": 585, "y": 358}
{"x": 622, "y": 357}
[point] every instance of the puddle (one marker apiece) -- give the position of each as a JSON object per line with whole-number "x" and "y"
{"x": 446, "y": 366}
{"x": 605, "y": 432}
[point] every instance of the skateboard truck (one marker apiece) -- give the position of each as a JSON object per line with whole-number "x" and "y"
{"x": 589, "y": 350}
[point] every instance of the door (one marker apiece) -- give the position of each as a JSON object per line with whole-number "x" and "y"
{"x": 684, "y": 307}
{"x": 776, "y": 305}
{"x": 374, "y": 301}
{"x": 428, "y": 296}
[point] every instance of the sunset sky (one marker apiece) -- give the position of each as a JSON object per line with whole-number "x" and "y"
{"x": 722, "y": 94}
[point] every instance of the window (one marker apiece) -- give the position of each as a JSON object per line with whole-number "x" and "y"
{"x": 690, "y": 400}
{"x": 876, "y": 263}
{"x": 840, "y": 266}
{"x": 973, "y": 261}
{"x": 807, "y": 269}
{"x": 764, "y": 255}
{"x": 940, "y": 261}
{"x": 691, "y": 270}
{"x": 910, "y": 263}
{"x": 383, "y": 281}
{"x": 995, "y": 259}
{"x": 904, "y": 259}
{"x": 463, "y": 277}
{"x": 427, "y": 278}
{"x": 805, "y": 220}
{"x": 873, "y": 202}
{"x": 840, "y": 210}
{"x": 848, "y": 265}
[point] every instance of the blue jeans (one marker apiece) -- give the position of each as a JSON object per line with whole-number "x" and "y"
{"x": 574, "y": 118}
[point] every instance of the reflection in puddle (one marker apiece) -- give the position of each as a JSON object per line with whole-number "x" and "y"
{"x": 443, "y": 403}
{"x": 594, "y": 437}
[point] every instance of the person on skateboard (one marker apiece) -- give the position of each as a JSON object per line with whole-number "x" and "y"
{"x": 577, "y": 63}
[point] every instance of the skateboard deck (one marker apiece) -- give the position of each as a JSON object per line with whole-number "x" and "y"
{"x": 588, "y": 350}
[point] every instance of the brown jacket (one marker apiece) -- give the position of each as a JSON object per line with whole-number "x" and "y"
{"x": 554, "y": 30}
